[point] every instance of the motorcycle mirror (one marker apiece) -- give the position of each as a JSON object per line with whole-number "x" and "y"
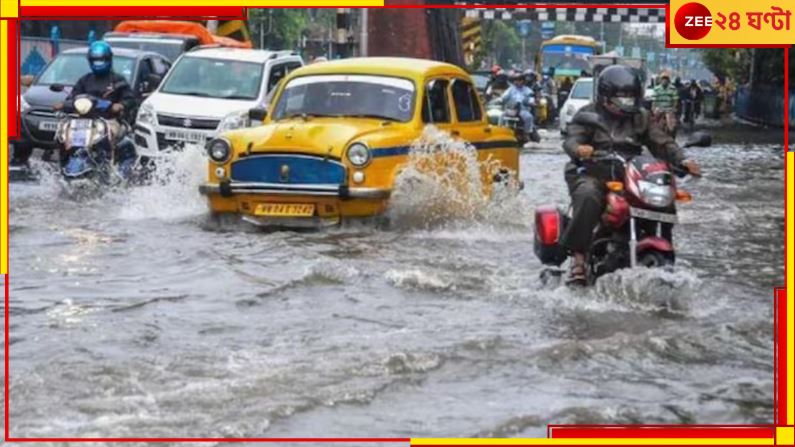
{"x": 699, "y": 139}
{"x": 56, "y": 87}
{"x": 590, "y": 119}
{"x": 257, "y": 114}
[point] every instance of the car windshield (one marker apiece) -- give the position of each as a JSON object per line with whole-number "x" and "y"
{"x": 582, "y": 90}
{"x": 170, "y": 48}
{"x": 380, "y": 97}
{"x": 66, "y": 69}
{"x": 214, "y": 78}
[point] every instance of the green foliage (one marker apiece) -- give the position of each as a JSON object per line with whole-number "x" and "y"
{"x": 283, "y": 27}
{"x": 502, "y": 42}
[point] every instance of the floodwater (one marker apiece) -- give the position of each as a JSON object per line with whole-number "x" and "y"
{"x": 133, "y": 314}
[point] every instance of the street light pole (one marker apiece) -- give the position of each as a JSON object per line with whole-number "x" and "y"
{"x": 364, "y": 35}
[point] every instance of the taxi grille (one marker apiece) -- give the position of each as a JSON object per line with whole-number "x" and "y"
{"x": 288, "y": 169}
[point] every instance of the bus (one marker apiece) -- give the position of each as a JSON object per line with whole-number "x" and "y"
{"x": 568, "y": 54}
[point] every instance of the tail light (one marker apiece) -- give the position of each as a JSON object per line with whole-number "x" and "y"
{"x": 548, "y": 225}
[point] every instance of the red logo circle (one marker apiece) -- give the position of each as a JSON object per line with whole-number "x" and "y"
{"x": 693, "y": 21}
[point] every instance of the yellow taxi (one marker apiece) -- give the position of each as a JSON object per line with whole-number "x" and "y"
{"x": 336, "y": 136}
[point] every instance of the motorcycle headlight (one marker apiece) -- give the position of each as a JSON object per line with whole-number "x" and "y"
{"x": 543, "y": 101}
{"x": 83, "y": 105}
{"x": 359, "y": 155}
{"x": 659, "y": 196}
{"x": 219, "y": 150}
{"x": 23, "y": 105}
{"x": 146, "y": 114}
{"x": 234, "y": 120}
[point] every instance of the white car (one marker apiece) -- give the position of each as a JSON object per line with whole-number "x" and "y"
{"x": 208, "y": 91}
{"x": 581, "y": 94}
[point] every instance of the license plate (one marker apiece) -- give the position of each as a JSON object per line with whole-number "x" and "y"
{"x": 180, "y": 135}
{"x": 48, "y": 126}
{"x": 79, "y": 137}
{"x": 81, "y": 124}
{"x": 653, "y": 215}
{"x": 285, "y": 209}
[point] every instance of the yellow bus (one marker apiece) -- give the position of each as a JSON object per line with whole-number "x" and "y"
{"x": 568, "y": 54}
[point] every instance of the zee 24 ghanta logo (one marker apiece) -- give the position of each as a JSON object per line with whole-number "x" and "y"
{"x": 694, "y": 21}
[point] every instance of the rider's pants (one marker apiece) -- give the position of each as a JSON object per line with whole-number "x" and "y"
{"x": 588, "y": 202}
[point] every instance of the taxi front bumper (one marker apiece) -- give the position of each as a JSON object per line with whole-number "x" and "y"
{"x": 229, "y": 189}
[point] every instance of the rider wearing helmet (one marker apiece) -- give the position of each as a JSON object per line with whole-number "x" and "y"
{"x": 618, "y": 104}
{"x": 102, "y": 82}
{"x": 498, "y": 84}
{"x": 519, "y": 93}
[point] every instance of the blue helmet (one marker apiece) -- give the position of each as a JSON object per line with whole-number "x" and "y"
{"x": 100, "y": 57}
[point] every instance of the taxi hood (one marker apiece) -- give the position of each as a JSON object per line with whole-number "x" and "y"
{"x": 315, "y": 136}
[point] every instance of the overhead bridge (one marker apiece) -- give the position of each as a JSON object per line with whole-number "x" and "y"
{"x": 616, "y": 15}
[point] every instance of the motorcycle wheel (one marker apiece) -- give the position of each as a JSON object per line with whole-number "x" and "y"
{"x": 655, "y": 259}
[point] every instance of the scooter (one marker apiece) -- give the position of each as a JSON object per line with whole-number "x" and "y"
{"x": 88, "y": 150}
{"x": 512, "y": 119}
{"x": 640, "y": 212}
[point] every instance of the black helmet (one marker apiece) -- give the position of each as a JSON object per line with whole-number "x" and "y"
{"x": 530, "y": 76}
{"x": 619, "y": 90}
{"x": 515, "y": 75}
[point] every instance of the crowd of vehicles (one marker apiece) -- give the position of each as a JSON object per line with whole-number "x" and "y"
{"x": 290, "y": 145}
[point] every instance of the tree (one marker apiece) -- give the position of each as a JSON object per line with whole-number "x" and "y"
{"x": 502, "y": 42}
{"x": 282, "y": 27}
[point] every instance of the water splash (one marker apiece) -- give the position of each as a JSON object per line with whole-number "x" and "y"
{"x": 443, "y": 181}
{"x": 173, "y": 191}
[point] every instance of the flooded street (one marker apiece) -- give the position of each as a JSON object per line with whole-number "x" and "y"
{"x": 132, "y": 315}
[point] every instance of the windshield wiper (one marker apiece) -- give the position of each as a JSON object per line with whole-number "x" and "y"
{"x": 373, "y": 115}
{"x": 237, "y": 97}
{"x": 306, "y": 116}
{"x": 203, "y": 95}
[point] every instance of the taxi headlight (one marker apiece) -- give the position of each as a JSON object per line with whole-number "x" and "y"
{"x": 219, "y": 150}
{"x": 359, "y": 155}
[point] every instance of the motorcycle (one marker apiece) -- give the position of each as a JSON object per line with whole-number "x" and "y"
{"x": 87, "y": 147}
{"x": 640, "y": 212}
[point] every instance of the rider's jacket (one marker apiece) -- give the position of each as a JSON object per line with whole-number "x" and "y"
{"x": 112, "y": 87}
{"x": 665, "y": 98}
{"x": 630, "y": 134}
{"x": 517, "y": 95}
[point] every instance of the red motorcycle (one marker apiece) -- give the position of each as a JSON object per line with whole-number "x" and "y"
{"x": 640, "y": 212}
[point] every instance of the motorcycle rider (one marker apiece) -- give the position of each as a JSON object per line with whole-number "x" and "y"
{"x": 618, "y": 104}
{"x": 519, "y": 93}
{"x": 498, "y": 84}
{"x": 103, "y": 83}
{"x": 664, "y": 102}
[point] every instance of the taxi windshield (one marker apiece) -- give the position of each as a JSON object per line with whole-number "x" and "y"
{"x": 367, "y": 96}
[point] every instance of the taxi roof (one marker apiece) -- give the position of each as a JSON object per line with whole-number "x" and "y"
{"x": 395, "y": 66}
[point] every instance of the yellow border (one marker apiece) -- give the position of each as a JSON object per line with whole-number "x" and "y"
{"x": 3, "y": 148}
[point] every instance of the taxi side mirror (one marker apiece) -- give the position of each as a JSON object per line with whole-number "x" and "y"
{"x": 257, "y": 114}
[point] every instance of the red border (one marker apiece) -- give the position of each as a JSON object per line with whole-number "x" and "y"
{"x": 558, "y": 431}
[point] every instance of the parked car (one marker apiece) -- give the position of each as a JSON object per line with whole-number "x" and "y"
{"x": 580, "y": 95}
{"x": 339, "y": 133}
{"x": 142, "y": 69}
{"x": 208, "y": 91}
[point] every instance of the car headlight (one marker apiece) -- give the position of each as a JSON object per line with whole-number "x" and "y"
{"x": 359, "y": 155}
{"x": 23, "y": 105}
{"x": 656, "y": 195}
{"x": 234, "y": 120}
{"x": 146, "y": 114}
{"x": 219, "y": 150}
